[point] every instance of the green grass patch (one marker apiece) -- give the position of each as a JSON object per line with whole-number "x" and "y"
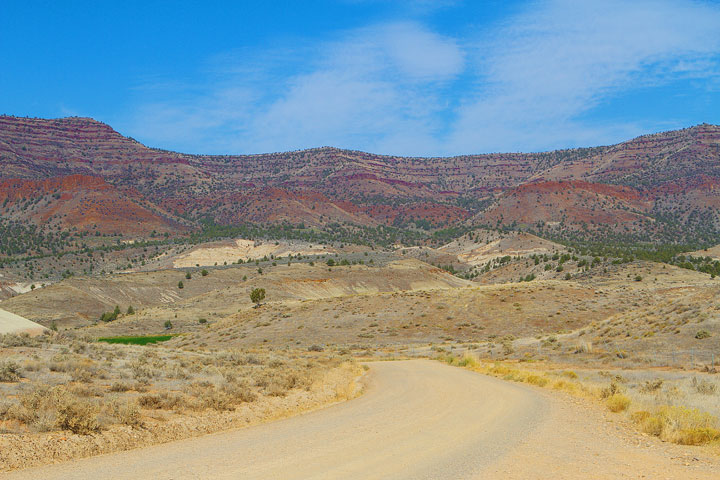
{"x": 138, "y": 340}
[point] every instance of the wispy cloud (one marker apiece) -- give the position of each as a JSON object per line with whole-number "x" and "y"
{"x": 526, "y": 84}
{"x": 557, "y": 60}
{"x": 375, "y": 87}
{"x": 378, "y": 86}
{"x": 414, "y": 6}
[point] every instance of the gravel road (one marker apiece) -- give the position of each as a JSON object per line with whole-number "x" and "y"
{"x": 418, "y": 419}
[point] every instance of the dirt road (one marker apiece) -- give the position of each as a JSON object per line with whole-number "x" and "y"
{"x": 417, "y": 420}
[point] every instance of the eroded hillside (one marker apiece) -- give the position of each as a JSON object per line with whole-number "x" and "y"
{"x": 653, "y": 187}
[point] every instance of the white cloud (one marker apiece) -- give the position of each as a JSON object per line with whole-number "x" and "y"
{"x": 374, "y": 84}
{"x": 559, "y": 59}
{"x": 530, "y": 83}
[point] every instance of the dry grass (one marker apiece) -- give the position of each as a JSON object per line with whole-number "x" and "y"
{"x": 645, "y": 401}
{"x": 618, "y": 402}
{"x": 378, "y": 306}
{"x": 686, "y": 426}
{"x": 158, "y": 393}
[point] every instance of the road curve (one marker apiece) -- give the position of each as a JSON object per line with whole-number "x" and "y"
{"x": 418, "y": 419}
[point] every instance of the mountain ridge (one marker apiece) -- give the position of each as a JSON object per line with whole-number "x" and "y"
{"x": 670, "y": 176}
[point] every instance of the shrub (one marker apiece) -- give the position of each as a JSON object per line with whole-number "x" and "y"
{"x": 161, "y": 401}
{"x": 22, "y": 340}
{"x": 188, "y": 276}
{"x": 257, "y": 295}
{"x": 704, "y": 387}
{"x": 181, "y": 285}
{"x": 204, "y": 273}
{"x": 5, "y": 408}
{"x": 206, "y": 395}
{"x": 702, "y": 334}
{"x": 610, "y": 390}
{"x": 275, "y": 390}
{"x": 218, "y": 400}
{"x": 82, "y": 374}
{"x": 45, "y": 408}
{"x": 467, "y": 361}
{"x": 9, "y": 371}
{"x": 686, "y": 426}
{"x": 617, "y": 402}
{"x": 568, "y": 386}
{"x": 652, "y": 385}
{"x": 78, "y": 416}
{"x": 110, "y": 316}
{"x": 584, "y": 347}
{"x": 239, "y": 392}
{"x": 141, "y": 371}
{"x": 538, "y": 380}
{"x": 648, "y": 423}
{"x": 128, "y": 414}
{"x": 120, "y": 387}
{"x": 697, "y": 436}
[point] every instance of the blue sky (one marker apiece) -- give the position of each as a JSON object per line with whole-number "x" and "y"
{"x": 406, "y": 77}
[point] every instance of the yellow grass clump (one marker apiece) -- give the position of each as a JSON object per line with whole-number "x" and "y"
{"x": 617, "y": 402}
{"x": 677, "y": 424}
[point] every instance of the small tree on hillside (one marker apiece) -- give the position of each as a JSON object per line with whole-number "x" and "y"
{"x": 257, "y": 295}
{"x": 110, "y": 316}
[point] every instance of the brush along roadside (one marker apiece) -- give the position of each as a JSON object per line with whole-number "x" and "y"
{"x": 64, "y": 398}
{"x": 679, "y": 408}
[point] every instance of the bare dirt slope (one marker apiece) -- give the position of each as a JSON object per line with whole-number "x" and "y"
{"x": 486, "y": 246}
{"x": 399, "y": 303}
{"x": 11, "y": 323}
{"x": 231, "y": 251}
{"x": 712, "y": 252}
{"x": 418, "y": 419}
{"x": 81, "y": 301}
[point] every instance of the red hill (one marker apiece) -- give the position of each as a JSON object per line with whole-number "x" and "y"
{"x": 642, "y": 185}
{"x": 85, "y": 202}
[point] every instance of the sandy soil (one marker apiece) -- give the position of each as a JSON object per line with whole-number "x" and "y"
{"x": 418, "y": 419}
{"x": 713, "y": 252}
{"x": 11, "y": 323}
{"x": 231, "y": 252}
{"x": 521, "y": 244}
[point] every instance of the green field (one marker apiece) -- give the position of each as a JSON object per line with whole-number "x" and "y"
{"x": 139, "y": 340}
